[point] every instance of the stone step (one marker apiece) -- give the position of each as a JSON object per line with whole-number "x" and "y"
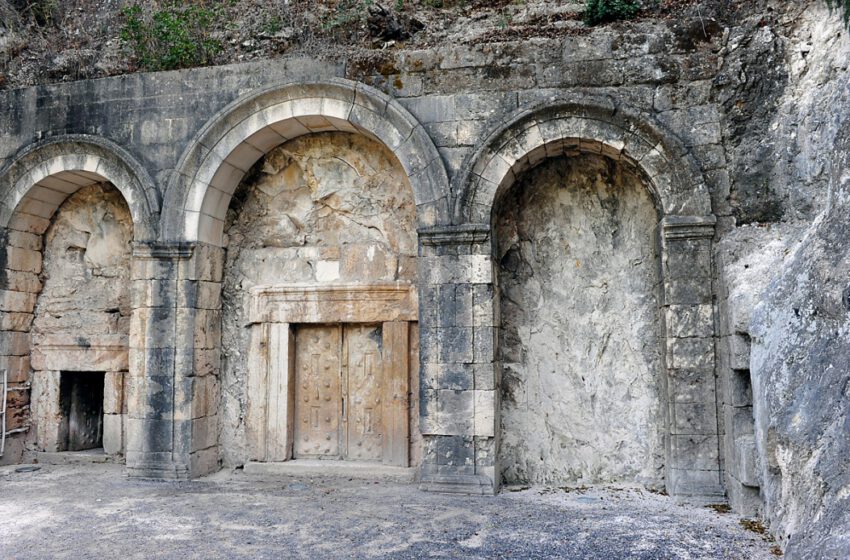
{"x": 317, "y": 468}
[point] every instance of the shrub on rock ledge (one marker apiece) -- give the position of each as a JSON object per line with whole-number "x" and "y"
{"x": 601, "y": 11}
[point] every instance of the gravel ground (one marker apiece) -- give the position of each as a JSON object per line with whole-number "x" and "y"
{"x": 93, "y": 511}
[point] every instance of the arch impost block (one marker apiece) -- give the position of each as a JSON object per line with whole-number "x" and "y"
{"x": 178, "y": 250}
{"x": 464, "y": 234}
{"x": 688, "y": 227}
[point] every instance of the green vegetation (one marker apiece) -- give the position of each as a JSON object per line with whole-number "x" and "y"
{"x": 602, "y": 11}
{"x": 177, "y": 35}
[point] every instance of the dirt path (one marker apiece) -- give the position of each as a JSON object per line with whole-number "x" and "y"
{"x": 95, "y": 512}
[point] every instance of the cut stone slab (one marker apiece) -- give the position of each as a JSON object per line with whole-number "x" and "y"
{"x": 86, "y": 457}
{"x": 349, "y": 469}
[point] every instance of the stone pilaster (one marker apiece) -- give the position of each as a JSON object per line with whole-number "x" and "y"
{"x": 458, "y": 399}
{"x": 693, "y": 466}
{"x": 174, "y": 361}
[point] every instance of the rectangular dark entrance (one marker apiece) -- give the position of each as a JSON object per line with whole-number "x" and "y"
{"x": 81, "y": 403}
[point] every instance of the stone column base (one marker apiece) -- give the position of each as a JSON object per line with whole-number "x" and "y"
{"x": 151, "y": 468}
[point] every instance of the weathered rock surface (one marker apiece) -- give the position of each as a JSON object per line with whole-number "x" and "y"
{"x": 579, "y": 343}
{"x": 86, "y": 268}
{"x": 801, "y": 325}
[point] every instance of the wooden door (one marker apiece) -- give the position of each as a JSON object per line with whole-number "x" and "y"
{"x": 362, "y": 414}
{"x": 318, "y": 394}
{"x": 351, "y": 400}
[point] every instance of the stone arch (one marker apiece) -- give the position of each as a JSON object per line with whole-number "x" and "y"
{"x": 43, "y": 175}
{"x": 589, "y": 124}
{"x": 685, "y": 225}
{"x": 222, "y": 152}
{"x": 34, "y": 186}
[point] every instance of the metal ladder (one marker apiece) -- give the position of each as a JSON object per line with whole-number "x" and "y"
{"x": 3, "y": 413}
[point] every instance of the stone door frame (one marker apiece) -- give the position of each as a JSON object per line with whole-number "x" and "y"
{"x": 274, "y": 311}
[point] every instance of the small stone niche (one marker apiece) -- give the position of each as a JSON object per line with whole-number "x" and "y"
{"x": 81, "y": 406}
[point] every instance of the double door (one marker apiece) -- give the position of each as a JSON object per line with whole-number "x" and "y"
{"x": 349, "y": 394}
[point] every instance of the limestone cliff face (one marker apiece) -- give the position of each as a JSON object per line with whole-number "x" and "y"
{"x": 801, "y": 326}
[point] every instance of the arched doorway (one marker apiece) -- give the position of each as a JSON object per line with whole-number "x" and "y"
{"x": 196, "y": 211}
{"x": 326, "y": 218}
{"x": 72, "y": 205}
{"x": 615, "y": 136}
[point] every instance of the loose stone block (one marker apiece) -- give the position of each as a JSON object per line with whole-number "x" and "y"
{"x": 327, "y": 271}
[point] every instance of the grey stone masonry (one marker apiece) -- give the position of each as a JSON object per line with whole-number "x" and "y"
{"x": 177, "y": 146}
{"x": 458, "y": 400}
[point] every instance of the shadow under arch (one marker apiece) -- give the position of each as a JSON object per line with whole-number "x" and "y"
{"x": 41, "y": 176}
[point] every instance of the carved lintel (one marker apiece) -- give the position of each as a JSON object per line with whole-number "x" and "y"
{"x": 465, "y": 234}
{"x": 333, "y": 303}
{"x": 178, "y": 250}
{"x": 688, "y": 227}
